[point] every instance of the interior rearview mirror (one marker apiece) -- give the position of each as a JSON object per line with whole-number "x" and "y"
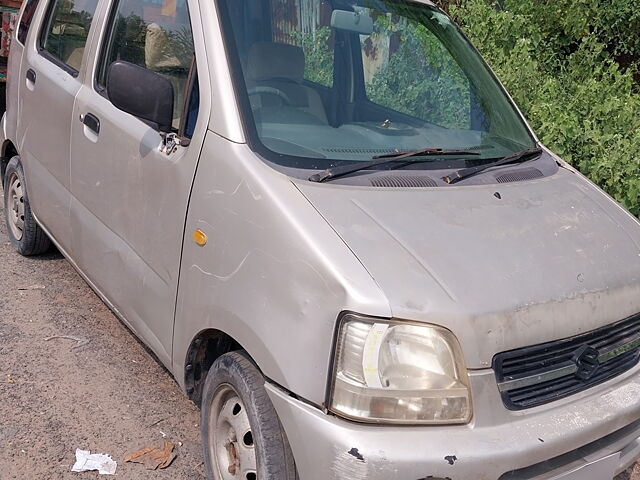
{"x": 352, "y": 22}
{"x": 142, "y": 93}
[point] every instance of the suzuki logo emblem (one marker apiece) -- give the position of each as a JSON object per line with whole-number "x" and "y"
{"x": 587, "y": 362}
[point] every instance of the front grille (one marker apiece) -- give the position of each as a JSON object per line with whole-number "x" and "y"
{"x": 532, "y": 376}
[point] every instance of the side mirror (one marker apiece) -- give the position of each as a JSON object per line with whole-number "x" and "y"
{"x": 142, "y": 93}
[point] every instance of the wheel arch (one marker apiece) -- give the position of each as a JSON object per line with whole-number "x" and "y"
{"x": 7, "y": 153}
{"x": 207, "y": 346}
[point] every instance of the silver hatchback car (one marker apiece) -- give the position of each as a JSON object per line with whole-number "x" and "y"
{"x": 330, "y": 222}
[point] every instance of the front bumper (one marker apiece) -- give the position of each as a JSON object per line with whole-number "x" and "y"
{"x": 591, "y": 436}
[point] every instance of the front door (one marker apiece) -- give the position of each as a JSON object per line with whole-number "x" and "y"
{"x": 129, "y": 197}
{"x": 50, "y": 73}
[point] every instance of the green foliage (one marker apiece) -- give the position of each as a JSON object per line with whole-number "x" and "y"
{"x": 431, "y": 86}
{"x": 421, "y": 78}
{"x": 318, "y": 55}
{"x": 613, "y": 23}
{"x": 558, "y": 60}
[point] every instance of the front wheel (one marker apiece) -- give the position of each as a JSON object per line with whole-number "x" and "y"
{"x": 25, "y": 234}
{"x": 242, "y": 435}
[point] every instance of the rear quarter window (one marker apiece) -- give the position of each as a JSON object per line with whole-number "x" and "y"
{"x": 25, "y": 19}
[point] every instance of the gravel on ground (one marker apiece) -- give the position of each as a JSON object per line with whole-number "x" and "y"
{"x": 104, "y": 393}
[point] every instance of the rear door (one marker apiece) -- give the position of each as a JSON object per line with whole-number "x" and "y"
{"x": 129, "y": 197}
{"x": 15, "y": 78}
{"x": 52, "y": 61}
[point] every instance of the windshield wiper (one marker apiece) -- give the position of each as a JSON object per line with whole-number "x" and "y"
{"x": 424, "y": 151}
{"x": 379, "y": 160}
{"x": 518, "y": 157}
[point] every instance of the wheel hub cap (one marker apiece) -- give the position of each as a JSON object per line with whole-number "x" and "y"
{"x": 15, "y": 207}
{"x": 231, "y": 444}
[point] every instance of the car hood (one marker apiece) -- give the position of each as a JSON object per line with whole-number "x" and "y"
{"x": 502, "y": 266}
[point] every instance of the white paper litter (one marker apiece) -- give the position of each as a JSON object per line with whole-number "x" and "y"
{"x": 85, "y": 462}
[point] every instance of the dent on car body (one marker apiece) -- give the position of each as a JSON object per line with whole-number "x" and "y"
{"x": 271, "y": 282}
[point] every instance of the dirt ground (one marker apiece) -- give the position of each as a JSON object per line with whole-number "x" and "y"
{"x": 108, "y": 395}
{"x": 104, "y": 393}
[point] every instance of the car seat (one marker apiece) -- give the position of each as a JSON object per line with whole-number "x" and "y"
{"x": 274, "y": 75}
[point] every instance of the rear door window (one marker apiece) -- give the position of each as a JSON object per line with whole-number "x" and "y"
{"x": 66, "y": 31}
{"x": 155, "y": 35}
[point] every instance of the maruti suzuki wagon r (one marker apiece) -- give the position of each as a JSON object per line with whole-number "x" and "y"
{"x": 333, "y": 226}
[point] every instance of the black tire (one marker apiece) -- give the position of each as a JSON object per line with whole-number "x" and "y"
{"x": 29, "y": 239}
{"x": 235, "y": 371}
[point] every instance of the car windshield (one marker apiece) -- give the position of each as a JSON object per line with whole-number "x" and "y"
{"x": 331, "y": 82}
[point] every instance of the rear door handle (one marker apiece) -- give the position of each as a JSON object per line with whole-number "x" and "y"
{"x": 91, "y": 122}
{"x": 31, "y": 75}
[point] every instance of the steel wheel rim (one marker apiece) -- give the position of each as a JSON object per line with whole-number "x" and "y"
{"x": 231, "y": 445}
{"x": 15, "y": 206}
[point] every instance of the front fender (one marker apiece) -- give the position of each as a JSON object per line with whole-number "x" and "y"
{"x": 273, "y": 274}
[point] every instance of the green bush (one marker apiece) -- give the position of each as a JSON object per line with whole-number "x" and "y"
{"x": 558, "y": 60}
{"x": 440, "y": 96}
{"x": 318, "y": 54}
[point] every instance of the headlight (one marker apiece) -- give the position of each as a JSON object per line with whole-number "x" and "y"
{"x": 399, "y": 372}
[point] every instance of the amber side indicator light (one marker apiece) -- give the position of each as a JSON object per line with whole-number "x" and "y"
{"x": 200, "y": 237}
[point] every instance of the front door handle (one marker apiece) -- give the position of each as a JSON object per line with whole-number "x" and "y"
{"x": 91, "y": 122}
{"x": 31, "y": 75}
